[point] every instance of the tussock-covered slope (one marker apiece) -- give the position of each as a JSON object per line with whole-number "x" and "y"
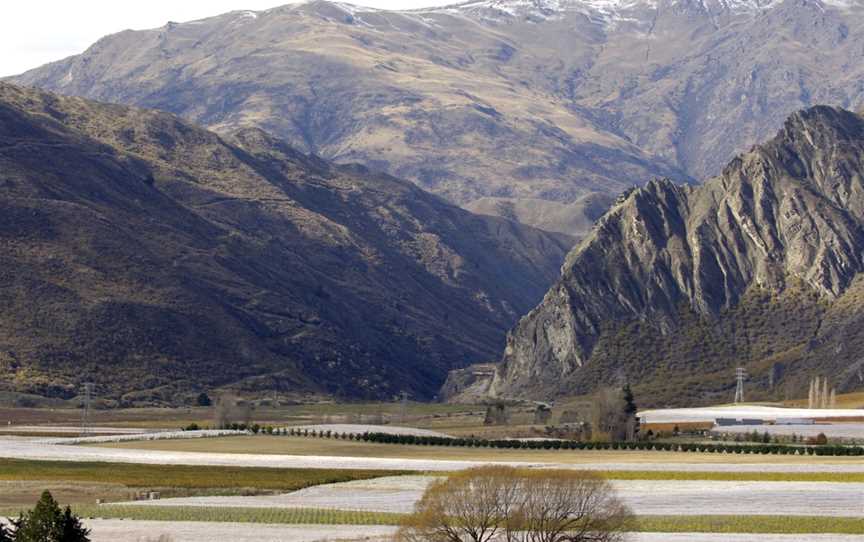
{"x": 156, "y": 258}
{"x": 516, "y": 100}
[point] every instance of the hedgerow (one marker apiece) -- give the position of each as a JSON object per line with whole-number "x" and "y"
{"x": 545, "y": 444}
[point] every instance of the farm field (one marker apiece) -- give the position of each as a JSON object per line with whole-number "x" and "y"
{"x": 112, "y": 530}
{"x": 343, "y": 448}
{"x": 22, "y": 481}
{"x": 423, "y": 415}
{"x": 644, "y": 497}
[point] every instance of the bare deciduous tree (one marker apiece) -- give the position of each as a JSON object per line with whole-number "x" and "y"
{"x": 503, "y": 504}
{"x": 608, "y": 417}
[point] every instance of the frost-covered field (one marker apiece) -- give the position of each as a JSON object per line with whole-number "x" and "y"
{"x": 837, "y": 430}
{"x": 645, "y": 497}
{"x": 709, "y": 414}
{"x": 160, "y": 435}
{"x": 17, "y": 448}
{"x": 72, "y": 430}
{"x": 113, "y": 530}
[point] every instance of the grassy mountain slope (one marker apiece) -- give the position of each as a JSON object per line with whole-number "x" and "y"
{"x": 157, "y": 258}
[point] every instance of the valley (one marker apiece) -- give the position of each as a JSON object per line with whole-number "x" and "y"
{"x": 496, "y": 271}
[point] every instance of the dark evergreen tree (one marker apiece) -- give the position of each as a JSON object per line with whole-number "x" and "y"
{"x": 203, "y": 400}
{"x": 73, "y": 530}
{"x": 630, "y": 411}
{"x": 47, "y": 523}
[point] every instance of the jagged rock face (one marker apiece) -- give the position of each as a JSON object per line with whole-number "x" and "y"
{"x": 156, "y": 258}
{"x": 786, "y": 217}
{"x": 544, "y": 99}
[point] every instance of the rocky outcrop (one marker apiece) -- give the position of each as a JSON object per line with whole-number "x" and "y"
{"x": 159, "y": 259}
{"x": 754, "y": 264}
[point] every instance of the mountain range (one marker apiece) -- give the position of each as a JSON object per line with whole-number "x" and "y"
{"x": 281, "y": 229}
{"x": 761, "y": 267}
{"x": 158, "y": 259}
{"x": 541, "y": 102}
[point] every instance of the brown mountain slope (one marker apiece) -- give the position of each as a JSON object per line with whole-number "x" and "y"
{"x": 760, "y": 267}
{"x": 429, "y": 97}
{"x": 156, "y": 258}
{"x": 547, "y": 99}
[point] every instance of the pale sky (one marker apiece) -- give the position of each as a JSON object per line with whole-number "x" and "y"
{"x": 34, "y": 32}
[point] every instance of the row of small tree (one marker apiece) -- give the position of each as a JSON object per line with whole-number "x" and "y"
{"x": 781, "y": 449}
{"x": 46, "y": 522}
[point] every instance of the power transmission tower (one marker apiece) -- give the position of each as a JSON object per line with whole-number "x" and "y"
{"x": 740, "y": 375}
{"x": 85, "y": 413}
{"x": 404, "y": 408}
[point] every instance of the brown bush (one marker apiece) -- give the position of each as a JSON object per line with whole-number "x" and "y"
{"x": 492, "y": 504}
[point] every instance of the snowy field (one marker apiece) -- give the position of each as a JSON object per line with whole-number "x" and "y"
{"x": 645, "y": 497}
{"x": 22, "y": 448}
{"x": 132, "y": 437}
{"x": 838, "y": 430}
{"x": 114, "y": 530}
{"x": 359, "y": 429}
{"x": 709, "y": 414}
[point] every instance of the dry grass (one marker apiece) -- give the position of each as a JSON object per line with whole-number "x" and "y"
{"x": 332, "y": 447}
{"x": 24, "y": 493}
{"x": 845, "y": 400}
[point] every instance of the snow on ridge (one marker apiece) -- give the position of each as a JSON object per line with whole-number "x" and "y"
{"x": 610, "y": 10}
{"x": 353, "y": 9}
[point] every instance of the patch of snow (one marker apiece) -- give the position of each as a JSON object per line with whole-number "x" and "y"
{"x": 352, "y": 9}
{"x": 602, "y": 11}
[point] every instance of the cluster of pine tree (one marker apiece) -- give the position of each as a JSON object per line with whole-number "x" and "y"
{"x": 46, "y": 522}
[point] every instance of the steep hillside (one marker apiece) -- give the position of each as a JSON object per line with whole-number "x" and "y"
{"x": 676, "y": 286}
{"x": 156, "y": 258}
{"x": 513, "y": 99}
